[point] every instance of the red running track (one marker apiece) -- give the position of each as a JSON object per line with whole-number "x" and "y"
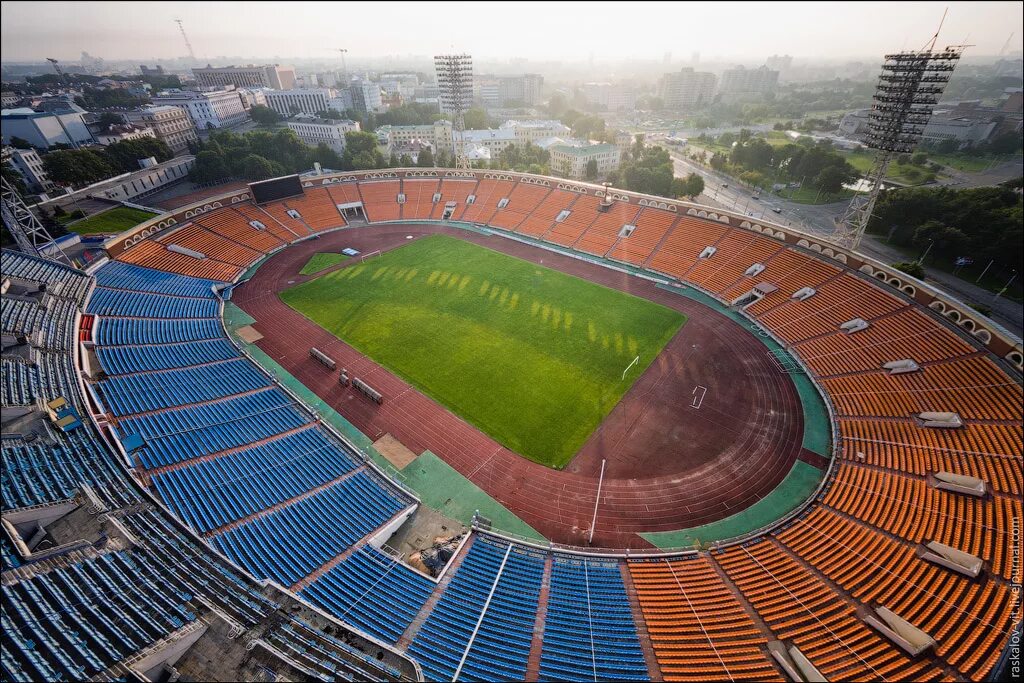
{"x": 669, "y": 465}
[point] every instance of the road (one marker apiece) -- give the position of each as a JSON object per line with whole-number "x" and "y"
{"x": 818, "y": 219}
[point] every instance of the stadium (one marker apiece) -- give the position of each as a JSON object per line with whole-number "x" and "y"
{"x": 628, "y": 438}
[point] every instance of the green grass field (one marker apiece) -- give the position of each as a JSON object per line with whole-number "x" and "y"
{"x": 531, "y": 356}
{"x": 322, "y": 260}
{"x": 113, "y": 220}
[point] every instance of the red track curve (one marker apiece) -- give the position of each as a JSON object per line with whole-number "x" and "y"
{"x": 669, "y": 466}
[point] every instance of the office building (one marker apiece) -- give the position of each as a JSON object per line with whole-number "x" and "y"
{"x": 252, "y": 76}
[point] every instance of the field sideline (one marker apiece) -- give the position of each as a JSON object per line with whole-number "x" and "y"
{"x": 531, "y": 356}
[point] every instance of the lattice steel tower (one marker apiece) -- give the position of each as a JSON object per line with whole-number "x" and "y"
{"x": 455, "y": 92}
{"x": 908, "y": 90}
{"x": 29, "y": 234}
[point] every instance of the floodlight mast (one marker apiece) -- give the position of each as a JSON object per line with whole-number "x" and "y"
{"x": 455, "y": 95}
{"x": 28, "y": 232}
{"x": 908, "y": 89}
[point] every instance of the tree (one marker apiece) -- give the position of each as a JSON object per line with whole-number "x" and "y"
{"x": 13, "y": 177}
{"x": 263, "y": 116}
{"x": 325, "y": 156}
{"x": 425, "y": 158}
{"x": 20, "y": 143}
{"x": 590, "y": 173}
{"x": 360, "y": 141}
{"x": 717, "y": 162}
{"x": 405, "y": 161}
{"x": 557, "y": 105}
{"x": 831, "y": 180}
{"x": 476, "y": 119}
{"x": 394, "y": 161}
{"x": 209, "y": 168}
{"x": 919, "y": 158}
{"x": 108, "y": 119}
{"x": 77, "y": 167}
{"x": 911, "y": 268}
{"x": 694, "y": 185}
{"x": 258, "y": 168}
{"x": 125, "y": 155}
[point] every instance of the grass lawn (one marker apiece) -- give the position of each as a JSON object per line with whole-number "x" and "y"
{"x": 321, "y": 261}
{"x": 531, "y": 356}
{"x": 809, "y": 195}
{"x": 113, "y": 220}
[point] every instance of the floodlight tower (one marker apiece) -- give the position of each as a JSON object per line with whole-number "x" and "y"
{"x": 455, "y": 92}
{"x": 29, "y": 234}
{"x": 908, "y": 89}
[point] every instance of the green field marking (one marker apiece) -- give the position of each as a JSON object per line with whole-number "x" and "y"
{"x": 113, "y": 220}
{"x": 531, "y": 356}
{"x": 797, "y": 487}
{"x": 322, "y": 260}
{"x": 442, "y": 488}
{"x": 817, "y": 426}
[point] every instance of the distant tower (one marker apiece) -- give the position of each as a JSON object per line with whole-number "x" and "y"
{"x": 184, "y": 35}
{"x": 908, "y": 89}
{"x": 455, "y": 90}
{"x": 29, "y": 234}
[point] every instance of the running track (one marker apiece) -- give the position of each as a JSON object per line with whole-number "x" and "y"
{"x": 669, "y": 466}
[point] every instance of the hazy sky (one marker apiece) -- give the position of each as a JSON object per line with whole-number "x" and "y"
{"x": 571, "y": 30}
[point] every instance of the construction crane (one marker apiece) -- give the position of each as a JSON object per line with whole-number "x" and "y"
{"x": 56, "y": 67}
{"x": 184, "y": 35}
{"x": 1005, "y": 45}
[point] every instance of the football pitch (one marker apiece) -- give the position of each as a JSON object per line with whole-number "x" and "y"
{"x": 531, "y": 356}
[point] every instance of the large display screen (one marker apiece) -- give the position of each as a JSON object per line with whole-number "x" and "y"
{"x": 276, "y": 188}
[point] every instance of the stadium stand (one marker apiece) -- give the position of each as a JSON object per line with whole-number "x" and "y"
{"x": 373, "y": 590}
{"x": 380, "y": 200}
{"x": 687, "y": 606}
{"x": 272, "y": 490}
{"x": 453, "y": 191}
{"x": 419, "y": 198}
{"x": 488, "y": 194}
{"x": 606, "y": 229}
{"x": 317, "y": 209}
{"x": 483, "y": 624}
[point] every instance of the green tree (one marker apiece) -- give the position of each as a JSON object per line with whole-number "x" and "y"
{"x": 694, "y": 185}
{"x": 20, "y": 143}
{"x": 209, "y": 168}
{"x": 425, "y": 158}
{"x": 125, "y": 155}
{"x": 263, "y": 116}
{"x": 405, "y": 161}
{"x": 831, "y": 180}
{"x": 394, "y": 161}
{"x": 108, "y": 119}
{"x": 325, "y": 156}
{"x": 256, "y": 167}
{"x": 476, "y": 119}
{"x": 13, "y": 177}
{"x": 77, "y": 167}
{"x": 360, "y": 141}
{"x": 590, "y": 172}
{"x": 912, "y": 268}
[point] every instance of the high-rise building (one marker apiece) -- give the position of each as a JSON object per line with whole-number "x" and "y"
{"x": 523, "y": 90}
{"x": 151, "y": 70}
{"x": 366, "y": 97}
{"x": 610, "y": 97}
{"x": 742, "y": 82}
{"x": 687, "y": 89}
{"x": 252, "y": 76}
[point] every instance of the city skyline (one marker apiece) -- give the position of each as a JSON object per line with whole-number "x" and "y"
{"x": 123, "y": 31}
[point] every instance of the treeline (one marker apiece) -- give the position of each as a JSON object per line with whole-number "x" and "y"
{"x": 261, "y": 154}
{"x": 983, "y": 223}
{"x": 649, "y": 169}
{"x": 755, "y": 162}
{"x": 79, "y": 167}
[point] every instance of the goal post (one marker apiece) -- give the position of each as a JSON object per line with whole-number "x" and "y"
{"x": 375, "y": 252}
